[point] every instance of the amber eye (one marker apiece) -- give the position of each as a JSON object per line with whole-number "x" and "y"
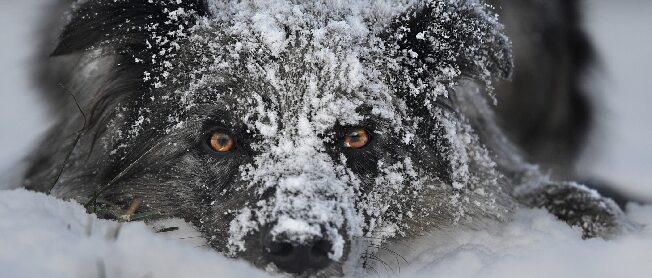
{"x": 221, "y": 142}
{"x": 356, "y": 138}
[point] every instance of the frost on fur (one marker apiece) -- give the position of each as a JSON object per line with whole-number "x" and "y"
{"x": 311, "y": 66}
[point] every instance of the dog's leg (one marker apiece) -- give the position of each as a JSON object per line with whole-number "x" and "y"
{"x": 578, "y": 206}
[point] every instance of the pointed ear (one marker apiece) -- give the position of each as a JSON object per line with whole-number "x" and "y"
{"x": 444, "y": 39}
{"x": 126, "y": 26}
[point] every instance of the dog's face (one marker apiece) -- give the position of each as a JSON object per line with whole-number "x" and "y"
{"x": 295, "y": 135}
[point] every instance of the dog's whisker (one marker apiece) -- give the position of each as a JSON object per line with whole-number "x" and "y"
{"x": 117, "y": 177}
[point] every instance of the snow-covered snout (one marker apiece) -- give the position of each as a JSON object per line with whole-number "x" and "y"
{"x": 300, "y": 136}
{"x": 304, "y": 202}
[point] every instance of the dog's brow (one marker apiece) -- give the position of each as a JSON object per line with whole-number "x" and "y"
{"x": 211, "y": 114}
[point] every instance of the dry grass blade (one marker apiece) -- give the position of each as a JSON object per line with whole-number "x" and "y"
{"x": 80, "y": 132}
{"x": 93, "y": 199}
{"x": 135, "y": 204}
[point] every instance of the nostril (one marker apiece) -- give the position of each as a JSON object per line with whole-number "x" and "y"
{"x": 321, "y": 249}
{"x": 280, "y": 249}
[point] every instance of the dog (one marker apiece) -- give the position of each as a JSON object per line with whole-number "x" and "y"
{"x": 304, "y": 137}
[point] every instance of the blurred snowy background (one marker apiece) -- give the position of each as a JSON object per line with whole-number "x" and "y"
{"x": 621, "y": 152}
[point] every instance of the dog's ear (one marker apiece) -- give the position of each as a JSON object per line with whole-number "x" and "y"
{"x": 127, "y": 26}
{"x": 439, "y": 36}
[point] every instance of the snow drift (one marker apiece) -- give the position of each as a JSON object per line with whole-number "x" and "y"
{"x": 41, "y": 236}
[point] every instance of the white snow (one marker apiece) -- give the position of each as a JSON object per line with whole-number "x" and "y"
{"x": 41, "y": 236}
{"x": 44, "y": 237}
{"x": 536, "y": 245}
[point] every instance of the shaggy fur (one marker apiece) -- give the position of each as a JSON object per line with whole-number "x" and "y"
{"x": 119, "y": 140}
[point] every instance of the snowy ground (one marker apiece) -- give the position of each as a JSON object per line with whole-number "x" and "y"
{"x": 40, "y": 235}
{"x": 44, "y": 237}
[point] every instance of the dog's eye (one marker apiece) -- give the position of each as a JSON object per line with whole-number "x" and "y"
{"x": 221, "y": 142}
{"x": 356, "y": 138}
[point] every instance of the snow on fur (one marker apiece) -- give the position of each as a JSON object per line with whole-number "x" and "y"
{"x": 292, "y": 72}
{"x": 324, "y": 61}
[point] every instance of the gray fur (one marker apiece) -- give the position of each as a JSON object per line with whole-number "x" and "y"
{"x": 133, "y": 140}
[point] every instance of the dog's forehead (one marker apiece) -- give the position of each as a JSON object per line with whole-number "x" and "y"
{"x": 282, "y": 64}
{"x": 324, "y": 60}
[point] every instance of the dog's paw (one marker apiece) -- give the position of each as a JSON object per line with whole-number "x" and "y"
{"x": 578, "y": 206}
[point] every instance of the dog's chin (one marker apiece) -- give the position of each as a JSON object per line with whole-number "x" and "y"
{"x": 333, "y": 270}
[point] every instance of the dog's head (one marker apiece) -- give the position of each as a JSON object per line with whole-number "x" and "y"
{"x": 298, "y": 134}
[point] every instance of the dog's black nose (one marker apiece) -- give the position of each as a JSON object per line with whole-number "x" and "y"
{"x": 305, "y": 257}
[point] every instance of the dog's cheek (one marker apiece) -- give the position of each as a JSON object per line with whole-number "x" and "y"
{"x": 422, "y": 202}
{"x": 214, "y": 188}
